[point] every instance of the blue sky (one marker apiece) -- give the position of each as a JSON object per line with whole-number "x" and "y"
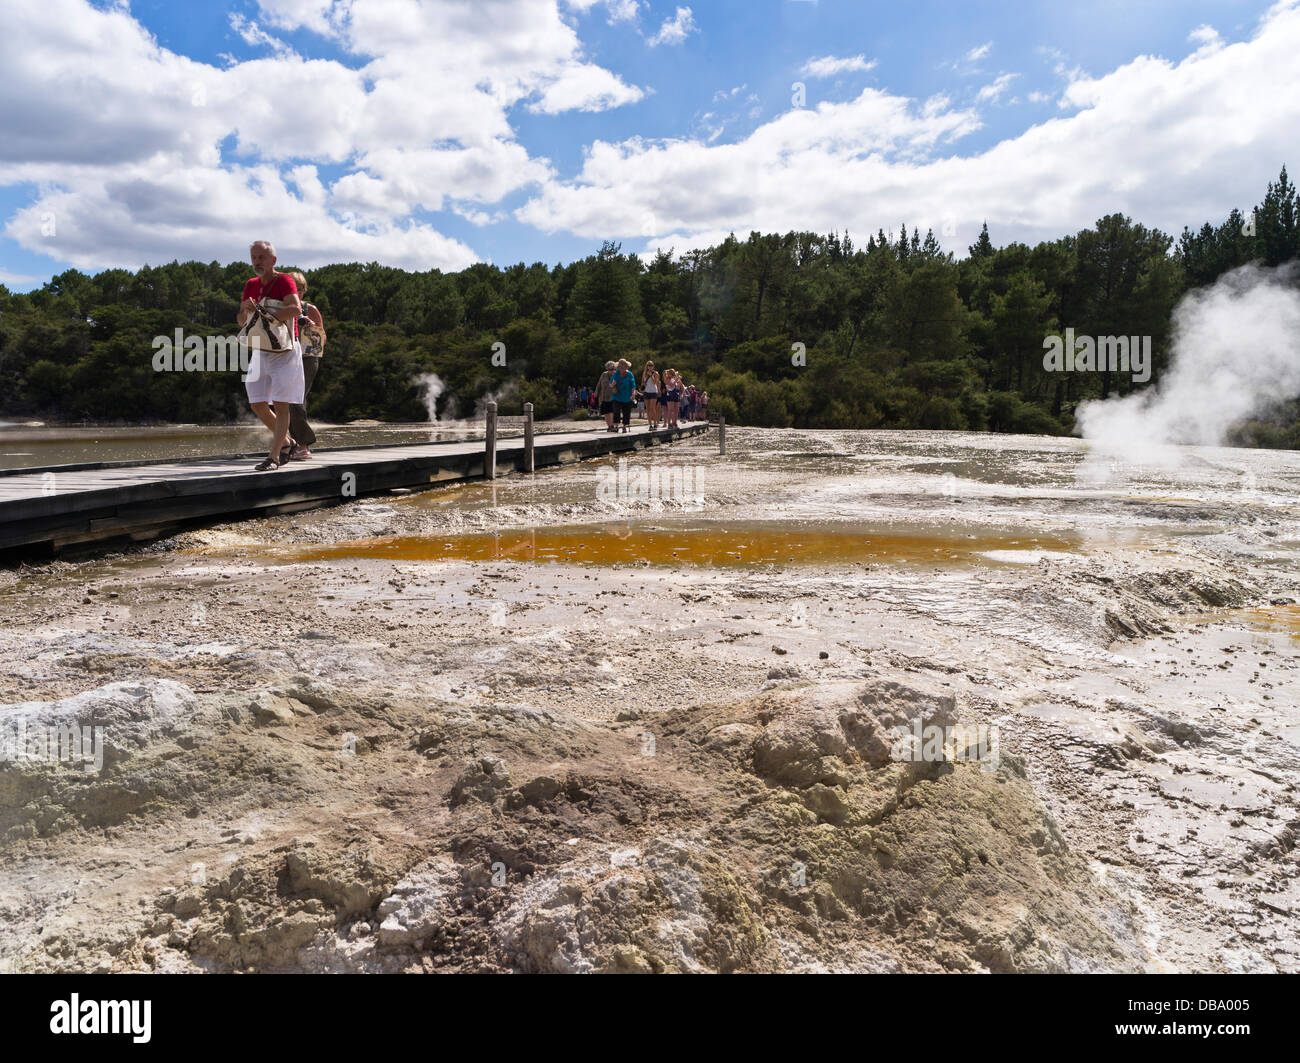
{"x": 433, "y": 135}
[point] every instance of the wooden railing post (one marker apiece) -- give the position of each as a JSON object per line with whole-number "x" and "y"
{"x": 528, "y": 437}
{"x": 490, "y": 444}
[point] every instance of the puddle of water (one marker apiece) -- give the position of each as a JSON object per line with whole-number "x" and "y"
{"x": 724, "y": 546}
{"x": 1282, "y": 618}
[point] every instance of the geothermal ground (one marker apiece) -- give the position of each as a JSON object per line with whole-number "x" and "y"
{"x": 553, "y": 724}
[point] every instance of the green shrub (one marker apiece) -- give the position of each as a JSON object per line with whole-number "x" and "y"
{"x": 941, "y": 414}
{"x": 544, "y": 397}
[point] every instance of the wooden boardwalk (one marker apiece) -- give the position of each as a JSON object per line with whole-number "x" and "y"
{"x": 45, "y": 510}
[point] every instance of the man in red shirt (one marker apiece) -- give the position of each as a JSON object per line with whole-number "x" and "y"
{"x": 273, "y": 377}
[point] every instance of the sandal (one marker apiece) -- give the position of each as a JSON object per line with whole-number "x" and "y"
{"x": 266, "y": 465}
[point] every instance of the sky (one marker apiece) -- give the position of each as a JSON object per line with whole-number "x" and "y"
{"x": 432, "y": 134}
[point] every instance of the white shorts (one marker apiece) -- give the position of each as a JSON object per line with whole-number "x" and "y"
{"x": 276, "y": 377}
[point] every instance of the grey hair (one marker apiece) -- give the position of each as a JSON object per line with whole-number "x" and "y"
{"x": 262, "y": 243}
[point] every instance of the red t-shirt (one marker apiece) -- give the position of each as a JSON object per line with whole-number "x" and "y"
{"x": 276, "y": 293}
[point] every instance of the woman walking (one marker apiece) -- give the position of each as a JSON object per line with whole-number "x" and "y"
{"x": 672, "y": 395}
{"x": 623, "y": 382}
{"x": 650, "y": 391}
{"x": 605, "y": 396}
{"x": 311, "y": 334}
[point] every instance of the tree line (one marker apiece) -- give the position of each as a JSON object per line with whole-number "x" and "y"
{"x": 796, "y": 329}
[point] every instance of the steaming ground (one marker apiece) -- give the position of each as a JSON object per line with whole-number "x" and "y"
{"x": 503, "y": 764}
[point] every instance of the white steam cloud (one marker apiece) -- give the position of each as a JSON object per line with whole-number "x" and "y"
{"x": 431, "y": 386}
{"x": 1236, "y": 351}
{"x": 509, "y": 392}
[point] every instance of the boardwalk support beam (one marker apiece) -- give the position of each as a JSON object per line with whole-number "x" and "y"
{"x": 490, "y": 443}
{"x": 528, "y": 438}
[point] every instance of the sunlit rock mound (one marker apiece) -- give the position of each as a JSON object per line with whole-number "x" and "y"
{"x": 783, "y": 832}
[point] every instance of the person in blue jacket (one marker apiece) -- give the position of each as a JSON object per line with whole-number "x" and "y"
{"x": 623, "y": 383}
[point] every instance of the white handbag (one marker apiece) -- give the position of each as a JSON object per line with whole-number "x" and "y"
{"x": 263, "y": 331}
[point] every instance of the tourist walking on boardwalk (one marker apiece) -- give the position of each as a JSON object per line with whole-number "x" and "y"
{"x": 623, "y": 382}
{"x": 650, "y": 391}
{"x": 311, "y": 337}
{"x": 672, "y": 395}
{"x": 605, "y": 396}
{"x": 275, "y": 372}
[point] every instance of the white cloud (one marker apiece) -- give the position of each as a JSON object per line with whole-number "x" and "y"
{"x": 1206, "y": 36}
{"x": 622, "y": 10}
{"x": 585, "y": 88}
{"x": 978, "y": 53}
{"x": 783, "y": 175}
{"x": 124, "y": 137}
{"x": 676, "y": 29}
{"x": 828, "y": 66}
{"x": 139, "y": 215}
{"x": 1170, "y": 143}
{"x": 479, "y": 218}
{"x": 254, "y": 35}
{"x": 618, "y": 10}
{"x": 19, "y": 280}
{"x": 1059, "y": 63}
{"x": 321, "y": 15}
{"x": 991, "y": 92}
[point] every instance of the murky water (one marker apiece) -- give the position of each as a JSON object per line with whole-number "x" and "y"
{"x": 727, "y": 546}
{"x": 1283, "y": 618}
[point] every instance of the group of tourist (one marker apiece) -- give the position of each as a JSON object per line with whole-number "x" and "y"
{"x": 287, "y": 335}
{"x": 664, "y": 399}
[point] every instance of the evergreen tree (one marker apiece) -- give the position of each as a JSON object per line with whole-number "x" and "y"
{"x": 1276, "y": 234}
{"x": 983, "y": 247}
{"x": 605, "y": 293}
